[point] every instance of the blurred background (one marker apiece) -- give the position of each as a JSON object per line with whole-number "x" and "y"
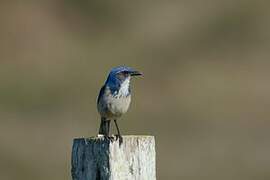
{"x": 205, "y": 94}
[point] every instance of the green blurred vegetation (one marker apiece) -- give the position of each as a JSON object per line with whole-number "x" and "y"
{"x": 204, "y": 94}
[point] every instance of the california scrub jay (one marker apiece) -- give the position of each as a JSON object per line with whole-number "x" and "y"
{"x": 114, "y": 98}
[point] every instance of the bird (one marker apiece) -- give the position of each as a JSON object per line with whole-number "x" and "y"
{"x": 114, "y": 99}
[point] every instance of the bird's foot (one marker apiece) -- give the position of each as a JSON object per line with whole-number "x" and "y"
{"x": 109, "y": 138}
{"x": 118, "y": 136}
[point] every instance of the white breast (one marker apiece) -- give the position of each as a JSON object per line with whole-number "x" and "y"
{"x": 118, "y": 106}
{"x": 114, "y": 106}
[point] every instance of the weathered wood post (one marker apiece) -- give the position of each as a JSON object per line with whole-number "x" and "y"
{"x": 99, "y": 159}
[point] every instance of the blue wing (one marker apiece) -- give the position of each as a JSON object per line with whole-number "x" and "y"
{"x": 101, "y": 92}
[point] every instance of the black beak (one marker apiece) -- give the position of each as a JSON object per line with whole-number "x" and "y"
{"x": 136, "y": 73}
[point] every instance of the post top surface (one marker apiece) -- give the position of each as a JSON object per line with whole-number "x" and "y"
{"x": 101, "y": 137}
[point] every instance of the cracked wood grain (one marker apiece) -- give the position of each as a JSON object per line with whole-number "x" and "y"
{"x": 99, "y": 159}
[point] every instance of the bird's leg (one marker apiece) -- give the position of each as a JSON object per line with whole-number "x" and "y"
{"x": 102, "y": 128}
{"x": 107, "y": 136}
{"x": 118, "y": 133}
{"x": 105, "y": 129}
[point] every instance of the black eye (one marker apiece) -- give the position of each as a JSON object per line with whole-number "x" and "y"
{"x": 123, "y": 75}
{"x": 125, "y": 72}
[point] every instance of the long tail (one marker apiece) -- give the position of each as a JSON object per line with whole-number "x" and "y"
{"x": 104, "y": 127}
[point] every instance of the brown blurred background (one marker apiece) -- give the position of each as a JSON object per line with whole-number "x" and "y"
{"x": 205, "y": 94}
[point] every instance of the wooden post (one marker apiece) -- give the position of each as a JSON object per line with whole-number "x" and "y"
{"x": 99, "y": 159}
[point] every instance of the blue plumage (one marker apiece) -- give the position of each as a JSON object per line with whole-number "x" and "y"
{"x": 113, "y": 82}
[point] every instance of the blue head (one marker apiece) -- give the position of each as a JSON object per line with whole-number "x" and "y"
{"x": 119, "y": 77}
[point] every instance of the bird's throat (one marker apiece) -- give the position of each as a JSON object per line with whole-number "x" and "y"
{"x": 124, "y": 89}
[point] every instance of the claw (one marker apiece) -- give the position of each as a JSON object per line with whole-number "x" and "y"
{"x": 120, "y": 139}
{"x": 109, "y": 138}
